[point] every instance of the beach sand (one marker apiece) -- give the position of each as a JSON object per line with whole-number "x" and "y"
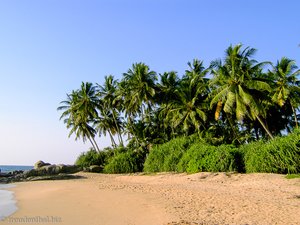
{"x": 162, "y": 199}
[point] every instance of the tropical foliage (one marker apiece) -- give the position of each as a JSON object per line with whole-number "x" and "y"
{"x": 233, "y": 101}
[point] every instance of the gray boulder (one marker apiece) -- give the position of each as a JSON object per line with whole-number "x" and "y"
{"x": 40, "y": 164}
{"x": 95, "y": 169}
{"x": 48, "y": 170}
{"x": 42, "y": 171}
{"x": 69, "y": 169}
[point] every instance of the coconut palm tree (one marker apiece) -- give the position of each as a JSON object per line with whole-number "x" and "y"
{"x": 167, "y": 88}
{"x": 286, "y": 90}
{"x": 139, "y": 82}
{"x": 107, "y": 123}
{"x": 195, "y": 79}
{"x": 187, "y": 108}
{"x": 136, "y": 91}
{"x": 80, "y": 112}
{"x": 110, "y": 105}
{"x": 236, "y": 86}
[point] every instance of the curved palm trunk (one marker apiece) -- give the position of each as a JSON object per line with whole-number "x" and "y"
{"x": 256, "y": 132}
{"x": 113, "y": 143}
{"x": 232, "y": 128}
{"x": 118, "y": 129}
{"x": 265, "y": 128}
{"x": 92, "y": 140}
{"x": 130, "y": 126}
{"x": 295, "y": 115}
{"x": 98, "y": 149}
{"x": 92, "y": 143}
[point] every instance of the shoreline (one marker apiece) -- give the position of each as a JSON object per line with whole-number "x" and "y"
{"x": 162, "y": 199}
{"x": 8, "y": 204}
{"x": 81, "y": 201}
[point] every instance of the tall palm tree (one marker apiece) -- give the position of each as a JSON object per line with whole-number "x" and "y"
{"x": 167, "y": 88}
{"x": 136, "y": 91}
{"x": 80, "y": 112}
{"x": 195, "y": 78}
{"x": 286, "y": 88}
{"x": 187, "y": 107}
{"x": 107, "y": 123}
{"x": 236, "y": 86}
{"x": 185, "y": 110}
{"x": 109, "y": 102}
{"x": 140, "y": 86}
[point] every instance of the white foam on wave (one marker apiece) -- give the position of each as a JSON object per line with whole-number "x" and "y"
{"x": 7, "y": 201}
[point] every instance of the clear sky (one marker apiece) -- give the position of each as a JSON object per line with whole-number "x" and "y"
{"x": 48, "y": 47}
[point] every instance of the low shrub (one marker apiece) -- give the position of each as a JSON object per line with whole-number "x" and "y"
{"x": 125, "y": 162}
{"x": 165, "y": 157}
{"x": 292, "y": 176}
{"x": 202, "y": 157}
{"x": 280, "y": 155}
{"x": 92, "y": 157}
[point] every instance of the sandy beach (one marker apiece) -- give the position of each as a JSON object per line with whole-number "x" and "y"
{"x": 161, "y": 199}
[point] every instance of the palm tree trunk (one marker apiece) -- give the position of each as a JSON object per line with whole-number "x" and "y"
{"x": 143, "y": 112}
{"x": 91, "y": 137}
{"x": 295, "y": 115}
{"x": 92, "y": 143}
{"x": 232, "y": 128}
{"x": 113, "y": 143}
{"x": 130, "y": 123}
{"x": 264, "y": 126}
{"x": 98, "y": 149}
{"x": 256, "y": 132}
{"x": 96, "y": 145}
{"x": 118, "y": 129}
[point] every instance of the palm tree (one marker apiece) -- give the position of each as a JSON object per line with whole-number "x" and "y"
{"x": 109, "y": 102}
{"x": 167, "y": 91}
{"x": 167, "y": 88}
{"x": 107, "y": 123}
{"x": 286, "y": 88}
{"x": 136, "y": 91}
{"x": 187, "y": 107}
{"x": 236, "y": 86}
{"x": 195, "y": 78}
{"x": 140, "y": 89}
{"x": 186, "y": 110}
{"x": 80, "y": 112}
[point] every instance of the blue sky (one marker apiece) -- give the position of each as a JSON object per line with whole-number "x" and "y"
{"x": 48, "y": 47}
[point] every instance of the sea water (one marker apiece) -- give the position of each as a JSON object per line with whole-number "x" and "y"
{"x": 6, "y": 169}
{"x": 7, "y": 200}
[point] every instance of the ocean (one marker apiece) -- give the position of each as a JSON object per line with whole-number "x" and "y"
{"x": 6, "y": 169}
{"x": 7, "y": 200}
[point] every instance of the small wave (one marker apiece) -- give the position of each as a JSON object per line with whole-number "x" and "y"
{"x": 7, "y": 201}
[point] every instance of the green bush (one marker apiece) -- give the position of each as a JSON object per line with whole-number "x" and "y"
{"x": 292, "y": 176}
{"x": 280, "y": 155}
{"x": 165, "y": 157}
{"x": 202, "y": 157}
{"x": 125, "y": 162}
{"x": 92, "y": 157}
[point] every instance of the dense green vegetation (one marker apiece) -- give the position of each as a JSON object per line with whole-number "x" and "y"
{"x": 208, "y": 158}
{"x": 281, "y": 155}
{"x": 165, "y": 157}
{"x": 92, "y": 157}
{"x": 292, "y": 176}
{"x": 229, "y": 116}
